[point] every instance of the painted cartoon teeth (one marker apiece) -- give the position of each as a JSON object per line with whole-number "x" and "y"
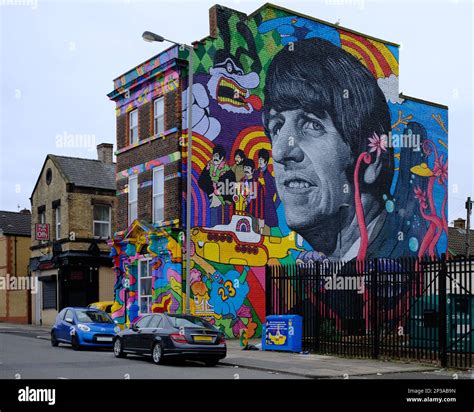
{"x": 233, "y": 86}
{"x": 230, "y": 100}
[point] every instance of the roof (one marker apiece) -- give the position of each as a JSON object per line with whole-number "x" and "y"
{"x": 15, "y": 223}
{"x": 86, "y": 172}
{"x": 336, "y": 26}
{"x": 416, "y": 99}
{"x": 457, "y": 241}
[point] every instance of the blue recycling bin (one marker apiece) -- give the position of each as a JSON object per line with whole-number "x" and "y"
{"x": 282, "y": 333}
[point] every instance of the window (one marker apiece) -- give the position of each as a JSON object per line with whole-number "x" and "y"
{"x": 132, "y": 198}
{"x": 156, "y": 322}
{"x": 49, "y": 294}
{"x": 92, "y": 316}
{"x": 145, "y": 285}
{"x": 42, "y": 220}
{"x": 69, "y": 315}
{"x": 58, "y": 222}
{"x": 188, "y": 322}
{"x": 49, "y": 176}
{"x": 158, "y": 194}
{"x": 159, "y": 115}
{"x": 143, "y": 322}
{"x": 102, "y": 221}
{"x": 133, "y": 136}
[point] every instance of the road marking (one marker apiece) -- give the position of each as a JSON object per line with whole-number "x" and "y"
{"x": 61, "y": 377}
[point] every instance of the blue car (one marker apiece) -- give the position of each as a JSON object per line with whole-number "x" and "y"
{"x": 84, "y": 327}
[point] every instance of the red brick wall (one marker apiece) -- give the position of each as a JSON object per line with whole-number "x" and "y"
{"x": 149, "y": 151}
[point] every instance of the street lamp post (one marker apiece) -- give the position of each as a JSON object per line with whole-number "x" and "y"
{"x": 151, "y": 37}
{"x": 342, "y": 209}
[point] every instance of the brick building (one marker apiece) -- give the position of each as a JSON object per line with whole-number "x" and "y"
{"x": 304, "y": 149}
{"x": 75, "y": 199}
{"x": 457, "y": 241}
{"x": 15, "y": 233}
{"x": 149, "y": 170}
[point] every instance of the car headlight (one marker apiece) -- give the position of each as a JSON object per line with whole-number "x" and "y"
{"x": 84, "y": 328}
{"x": 117, "y": 329}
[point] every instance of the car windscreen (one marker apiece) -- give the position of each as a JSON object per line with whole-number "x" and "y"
{"x": 93, "y": 316}
{"x": 188, "y": 322}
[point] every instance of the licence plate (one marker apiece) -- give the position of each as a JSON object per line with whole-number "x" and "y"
{"x": 203, "y": 338}
{"x": 103, "y": 339}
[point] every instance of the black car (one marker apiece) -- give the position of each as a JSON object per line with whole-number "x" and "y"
{"x": 172, "y": 336}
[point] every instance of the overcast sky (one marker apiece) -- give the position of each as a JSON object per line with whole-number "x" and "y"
{"x": 58, "y": 60}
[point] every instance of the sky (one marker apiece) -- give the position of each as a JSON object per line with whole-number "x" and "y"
{"x": 58, "y": 60}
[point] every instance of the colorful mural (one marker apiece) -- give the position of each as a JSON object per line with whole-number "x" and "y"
{"x": 303, "y": 150}
{"x": 155, "y": 255}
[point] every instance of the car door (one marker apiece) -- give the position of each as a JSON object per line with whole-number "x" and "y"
{"x": 132, "y": 341}
{"x": 58, "y": 323}
{"x": 147, "y": 334}
{"x": 66, "y": 324}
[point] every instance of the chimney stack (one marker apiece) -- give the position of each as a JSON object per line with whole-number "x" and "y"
{"x": 105, "y": 153}
{"x": 460, "y": 223}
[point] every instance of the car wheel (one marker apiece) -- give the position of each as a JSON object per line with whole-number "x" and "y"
{"x": 75, "y": 343}
{"x": 118, "y": 349}
{"x": 211, "y": 362}
{"x": 157, "y": 353}
{"x": 54, "y": 341}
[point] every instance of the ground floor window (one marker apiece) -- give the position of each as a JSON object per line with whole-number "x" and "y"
{"x": 50, "y": 295}
{"x": 145, "y": 285}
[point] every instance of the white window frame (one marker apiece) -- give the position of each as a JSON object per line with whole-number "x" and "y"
{"x": 149, "y": 275}
{"x": 107, "y": 222}
{"x": 133, "y": 137}
{"x": 158, "y": 193}
{"x": 131, "y": 202}
{"x": 57, "y": 221}
{"x": 158, "y": 118}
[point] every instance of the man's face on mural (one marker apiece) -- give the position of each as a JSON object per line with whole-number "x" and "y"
{"x": 238, "y": 160}
{"x": 310, "y": 161}
{"x": 217, "y": 159}
{"x": 262, "y": 162}
{"x": 248, "y": 171}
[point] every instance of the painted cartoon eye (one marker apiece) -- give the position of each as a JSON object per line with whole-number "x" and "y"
{"x": 229, "y": 67}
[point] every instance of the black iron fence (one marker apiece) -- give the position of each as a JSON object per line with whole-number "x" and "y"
{"x": 383, "y": 308}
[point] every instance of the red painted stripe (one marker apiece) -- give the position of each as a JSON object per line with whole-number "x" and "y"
{"x": 367, "y": 59}
{"x": 199, "y": 205}
{"x": 376, "y": 52}
{"x": 256, "y": 295}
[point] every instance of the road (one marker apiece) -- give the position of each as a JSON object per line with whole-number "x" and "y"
{"x": 24, "y": 356}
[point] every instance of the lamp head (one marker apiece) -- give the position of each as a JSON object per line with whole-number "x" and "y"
{"x": 151, "y": 37}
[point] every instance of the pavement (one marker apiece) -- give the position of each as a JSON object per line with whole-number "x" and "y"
{"x": 288, "y": 365}
{"x": 317, "y": 366}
